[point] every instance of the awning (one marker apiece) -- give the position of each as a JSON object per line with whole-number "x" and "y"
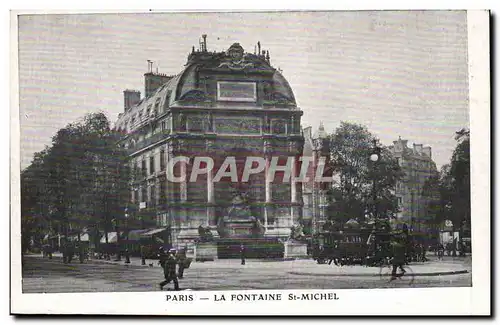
{"x": 351, "y": 223}
{"x": 135, "y": 235}
{"x": 83, "y": 237}
{"x": 112, "y": 238}
{"x": 153, "y": 232}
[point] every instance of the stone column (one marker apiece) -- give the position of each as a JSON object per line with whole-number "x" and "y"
{"x": 183, "y": 184}
{"x": 183, "y": 188}
{"x": 293, "y": 185}
{"x": 267, "y": 152}
{"x": 210, "y": 198}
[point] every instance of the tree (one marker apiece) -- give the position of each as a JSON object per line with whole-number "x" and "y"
{"x": 34, "y": 200}
{"x": 450, "y": 191}
{"x": 80, "y": 181}
{"x": 351, "y": 195}
{"x": 460, "y": 185}
{"x": 434, "y": 192}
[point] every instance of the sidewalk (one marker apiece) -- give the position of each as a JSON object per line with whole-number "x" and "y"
{"x": 306, "y": 267}
{"x": 134, "y": 261}
{"x": 430, "y": 268}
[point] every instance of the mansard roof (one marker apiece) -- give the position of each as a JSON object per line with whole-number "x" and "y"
{"x": 187, "y": 86}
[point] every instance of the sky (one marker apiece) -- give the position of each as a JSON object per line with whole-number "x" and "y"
{"x": 399, "y": 73}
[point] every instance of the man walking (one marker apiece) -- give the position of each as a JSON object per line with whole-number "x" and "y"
{"x": 242, "y": 252}
{"x": 398, "y": 256}
{"x": 181, "y": 260}
{"x": 169, "y": 262}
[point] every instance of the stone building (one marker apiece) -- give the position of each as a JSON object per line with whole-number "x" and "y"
{"x": 222, "y": 104}
{"x": 418, "y": 166}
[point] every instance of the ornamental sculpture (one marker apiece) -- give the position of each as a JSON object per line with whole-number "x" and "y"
{"x": 235, "y": 59}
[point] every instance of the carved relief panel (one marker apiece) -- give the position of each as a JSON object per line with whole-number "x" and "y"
{"x": 237, "y": 125}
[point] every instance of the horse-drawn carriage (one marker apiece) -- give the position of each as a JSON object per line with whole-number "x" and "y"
{"x": 365, "y": 245}
{"x": 345, "y": 247}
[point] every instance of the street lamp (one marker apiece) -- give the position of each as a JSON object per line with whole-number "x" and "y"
{"x": 118, "y": 242}
{"x": 127, "y": 253}
{"x": 375, "y": 157}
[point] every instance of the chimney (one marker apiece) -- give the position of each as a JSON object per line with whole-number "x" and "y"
{"x": 417, "y": 148}
{"x": 400, "y": 145}
{"x": 131, "y": 98}
{"x": 153, "y": 81}
{"x": 427, "y": 151}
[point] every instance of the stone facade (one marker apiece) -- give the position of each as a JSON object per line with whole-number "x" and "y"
{"x": 418, "y": 166}
{"x": 222, "y": 104}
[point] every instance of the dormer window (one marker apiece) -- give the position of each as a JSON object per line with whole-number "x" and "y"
{"x": 157, "y": 106}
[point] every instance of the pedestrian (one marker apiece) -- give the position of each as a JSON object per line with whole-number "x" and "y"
{"x": 168, "y": 262}
{"x": 181, "y": 260}
{"x": 398, "y": 256}
{"x": 440, "y": 250}
{"x": 242, "y": 253}
{"x": 71, "y": 251}
{"x": 143, "y": 255}
{"x": 424, "y": 252}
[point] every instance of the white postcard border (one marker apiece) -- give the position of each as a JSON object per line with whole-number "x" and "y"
{"x": 432, "y": 301}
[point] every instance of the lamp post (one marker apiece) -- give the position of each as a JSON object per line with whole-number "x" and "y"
{"x": 127, "y": 253}
{"x": 375, "y": 157}
{"x": 118, "y": 242}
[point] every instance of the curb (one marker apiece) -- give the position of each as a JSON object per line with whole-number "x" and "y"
{"x": 376, "y": 275}
{"x": 98, "y": 261}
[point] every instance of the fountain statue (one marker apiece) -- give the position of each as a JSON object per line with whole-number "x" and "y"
{"x": 239, "y": 221}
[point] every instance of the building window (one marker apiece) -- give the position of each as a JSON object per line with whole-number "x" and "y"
{"x": 144, "y": 168}
{"x": 152, "y": 192}
{"x": 400, "y": 201}
{"x": 136, "y": 195}
{"x": 144, "y": 194}
{"x": 151, "y": 165}
{"x": 163, "y": 192}
{"x": 163, "y": 126}
{"x": 162, "y": 160}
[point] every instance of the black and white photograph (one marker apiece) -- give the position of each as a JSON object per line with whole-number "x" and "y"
{"x": 234, "y": 159}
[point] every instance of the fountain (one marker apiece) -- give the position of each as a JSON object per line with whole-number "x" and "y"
{"x": 239, "y": 222}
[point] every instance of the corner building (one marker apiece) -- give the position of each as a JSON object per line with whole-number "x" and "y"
{"x": 222, "y": 104}
{"x": 418, "y": 167}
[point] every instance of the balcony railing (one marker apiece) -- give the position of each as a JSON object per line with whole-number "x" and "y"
{"x": 147, "y": 142}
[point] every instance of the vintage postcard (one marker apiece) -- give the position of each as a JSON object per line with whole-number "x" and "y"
{"x": 250, "y": 163}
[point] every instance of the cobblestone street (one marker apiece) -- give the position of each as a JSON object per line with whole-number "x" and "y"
{"x": 52, "y": 276}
